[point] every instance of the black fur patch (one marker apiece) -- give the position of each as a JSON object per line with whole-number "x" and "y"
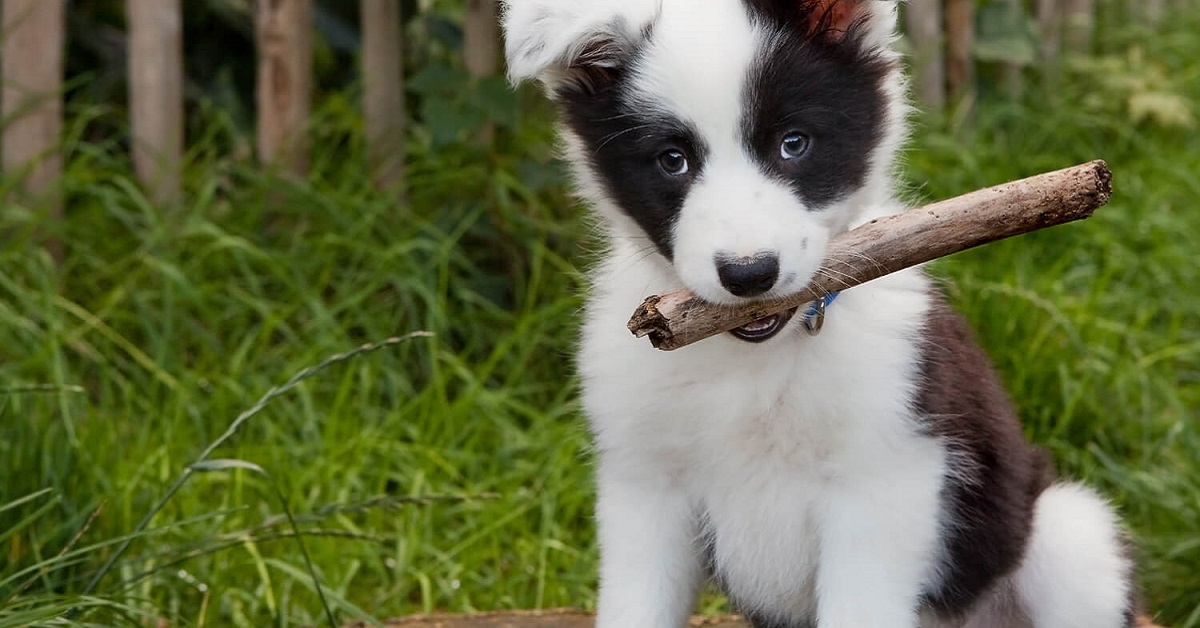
{"x": 1134, "y": 605}
{"x": 997, "y": 476}
{"x": 828, "y": 90}
{"x": 624, "y": 142}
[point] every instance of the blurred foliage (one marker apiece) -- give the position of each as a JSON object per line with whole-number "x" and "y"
{"x": 1141, "y": 88}
{"x": 1005, "y": 34}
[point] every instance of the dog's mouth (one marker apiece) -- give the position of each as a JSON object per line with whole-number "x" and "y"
{"x": 764, "y": 328}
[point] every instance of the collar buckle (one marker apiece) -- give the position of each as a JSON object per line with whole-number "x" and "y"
{"x": 814, "y": 316}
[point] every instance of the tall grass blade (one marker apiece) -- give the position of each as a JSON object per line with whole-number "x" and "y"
{"x": 237, "y": 423}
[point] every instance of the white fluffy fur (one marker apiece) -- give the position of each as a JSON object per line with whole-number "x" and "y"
{"x": 1074, "y": 563}
{"x": 781, "y": 445}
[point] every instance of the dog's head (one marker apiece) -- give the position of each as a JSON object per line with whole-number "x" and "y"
{"x": 737, "y": 136}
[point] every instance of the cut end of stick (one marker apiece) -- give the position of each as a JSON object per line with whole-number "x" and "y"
{"x": 1096, "y": 193}
{"x": 645, "y": 321}
{"x": 1104, "y": 178}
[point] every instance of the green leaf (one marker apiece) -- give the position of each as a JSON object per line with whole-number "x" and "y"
{"x": 497, "y": 101}
{"x": 438, "y": 78}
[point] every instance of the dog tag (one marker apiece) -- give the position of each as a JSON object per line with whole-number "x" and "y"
{"x": 814, "y": 318}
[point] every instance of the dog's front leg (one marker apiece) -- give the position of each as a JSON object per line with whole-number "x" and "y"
{"x": 650, "y": 570}
{"x": 878, "y": 544}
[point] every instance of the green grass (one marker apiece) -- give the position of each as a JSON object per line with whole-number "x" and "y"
{"x": 452, "y": 472}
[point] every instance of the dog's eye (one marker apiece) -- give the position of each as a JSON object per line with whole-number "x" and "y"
{"x": 794, "y": 146}
{"x": 673, "y": 162}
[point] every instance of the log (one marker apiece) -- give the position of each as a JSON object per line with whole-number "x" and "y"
{"x": 557, "y": 619}
{"x": 893, "y": 243}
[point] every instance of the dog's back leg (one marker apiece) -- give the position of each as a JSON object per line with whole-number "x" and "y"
{"x": 1077, "y": 571}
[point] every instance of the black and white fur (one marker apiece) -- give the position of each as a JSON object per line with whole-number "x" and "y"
{"x": 874, "y": 475}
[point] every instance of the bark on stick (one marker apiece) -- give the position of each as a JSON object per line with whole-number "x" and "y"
{"x": 887, "y": 245}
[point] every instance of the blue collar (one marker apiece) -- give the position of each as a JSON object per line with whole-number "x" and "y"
{"x": 814, "y": 316}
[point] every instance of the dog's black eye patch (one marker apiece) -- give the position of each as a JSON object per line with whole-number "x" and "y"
{"x": 647, "y": 161}
{"x": 831, "y": 93}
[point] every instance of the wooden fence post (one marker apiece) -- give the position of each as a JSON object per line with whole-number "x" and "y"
{"x": 34, "y": 34}
{"x": 383, "y": 92}
{"x": 1079, "y": 19}
{"x": 156, "y": 94}
{"x": 1049, "y": 19}
{"x": 481, "y": 48}
{"x": 1013, "y": 73}
{"x": 481, "y": 37}
{"x": 1155, "y": 10}
{"x": 960, "y": 63}
{"x": 285, "y": 59}
{"x": 925, "y": 32}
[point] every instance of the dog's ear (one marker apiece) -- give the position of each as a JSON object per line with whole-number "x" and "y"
{"x": 872, "y": 22}
{"x": 573, "y": 44}
{"x": 833, "y": 18}
{"x": 596, "y": 65}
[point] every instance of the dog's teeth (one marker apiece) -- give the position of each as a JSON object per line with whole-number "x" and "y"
{"x": 760, "y": 324}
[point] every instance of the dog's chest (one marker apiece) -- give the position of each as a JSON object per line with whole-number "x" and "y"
{"x": 761, "y": 532}
{"x": 761, "y": 481}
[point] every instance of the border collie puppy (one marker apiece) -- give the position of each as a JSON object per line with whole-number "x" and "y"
{"x": 873, "y": 474}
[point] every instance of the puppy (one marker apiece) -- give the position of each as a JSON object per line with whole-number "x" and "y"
{"x": 857, "y": 467}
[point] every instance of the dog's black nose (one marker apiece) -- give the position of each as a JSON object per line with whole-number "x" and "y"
{"x": 748, "y": 276}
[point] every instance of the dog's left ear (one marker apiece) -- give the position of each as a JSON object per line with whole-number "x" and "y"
{"x": 834, "y": 17}
{"x": 871, "y": 22}
{"x": 833, "y": 20}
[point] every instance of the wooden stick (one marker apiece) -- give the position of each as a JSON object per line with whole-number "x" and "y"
{"x": 893, "y": 243}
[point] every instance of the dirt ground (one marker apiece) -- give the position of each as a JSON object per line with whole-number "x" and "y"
{"x": 562, "y": 618}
